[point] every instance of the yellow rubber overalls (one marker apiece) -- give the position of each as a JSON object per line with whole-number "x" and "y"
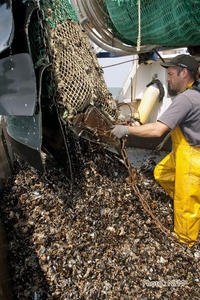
{"x": 179, "y": 174}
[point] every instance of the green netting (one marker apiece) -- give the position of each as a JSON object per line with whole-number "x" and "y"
{"x": 163, "y": 22}
{"x": 107, "y": 20}
{"x": 58, "y": 11}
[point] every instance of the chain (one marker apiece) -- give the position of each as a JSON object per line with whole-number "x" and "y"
{"x": 131, "y": 180}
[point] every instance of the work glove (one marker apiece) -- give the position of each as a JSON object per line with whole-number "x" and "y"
{"x": 119, "y": 131}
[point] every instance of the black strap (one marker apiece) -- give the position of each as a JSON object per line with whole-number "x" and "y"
{"x": 160, "y": 86}
{"x": 196, "y": 86}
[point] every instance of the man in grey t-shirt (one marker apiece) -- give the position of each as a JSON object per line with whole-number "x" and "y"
{"x": 185, "y": 112}
{"x": 179, "y": 172}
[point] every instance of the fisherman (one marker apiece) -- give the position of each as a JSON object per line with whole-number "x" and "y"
{"x": 179, "y": 172}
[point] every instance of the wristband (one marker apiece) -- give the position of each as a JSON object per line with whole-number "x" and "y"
{"x": 127, "y": 131}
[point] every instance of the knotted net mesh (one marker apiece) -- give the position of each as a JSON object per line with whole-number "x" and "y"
{"x": 78, "y": 76}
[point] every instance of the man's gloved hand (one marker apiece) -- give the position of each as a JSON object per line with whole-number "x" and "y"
{"x": 119, "y": 131}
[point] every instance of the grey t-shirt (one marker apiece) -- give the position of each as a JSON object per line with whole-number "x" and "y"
{"x": 185, "y": 112}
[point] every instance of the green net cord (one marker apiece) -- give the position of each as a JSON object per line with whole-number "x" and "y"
{"x": 57, "y": 12}
{"x": 166, "y": 23}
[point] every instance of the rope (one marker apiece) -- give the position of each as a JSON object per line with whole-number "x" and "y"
{"x": 124, "y": 62}
{"x": 127, "y": 104}
{"x": 139, "y": 27}
{"x": 131, "y": 181}
{"x": 135, "y": 81}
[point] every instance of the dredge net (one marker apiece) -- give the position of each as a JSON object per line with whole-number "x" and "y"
{"x": 78, "y": 77}
{"x": 165, "y": 23}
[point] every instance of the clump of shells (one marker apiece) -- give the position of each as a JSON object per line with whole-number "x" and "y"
{"x": 93, "y": 241}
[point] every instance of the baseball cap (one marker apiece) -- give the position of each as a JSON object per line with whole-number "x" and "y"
{"x": 183, "y": 61}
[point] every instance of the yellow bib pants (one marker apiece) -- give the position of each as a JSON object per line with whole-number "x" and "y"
{"x": 179, "y": 174}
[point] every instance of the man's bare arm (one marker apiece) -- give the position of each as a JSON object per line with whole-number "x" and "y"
{"x": 156, "y": 129}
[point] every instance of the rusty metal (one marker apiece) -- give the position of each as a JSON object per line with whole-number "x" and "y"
{"x": 96, "y": 127}
{"x": 131, "y": 180}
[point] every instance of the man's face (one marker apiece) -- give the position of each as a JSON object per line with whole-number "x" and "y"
{"x": 174, "y": 80}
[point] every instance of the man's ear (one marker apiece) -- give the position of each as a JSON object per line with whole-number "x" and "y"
{"x": 184, "y": 73}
